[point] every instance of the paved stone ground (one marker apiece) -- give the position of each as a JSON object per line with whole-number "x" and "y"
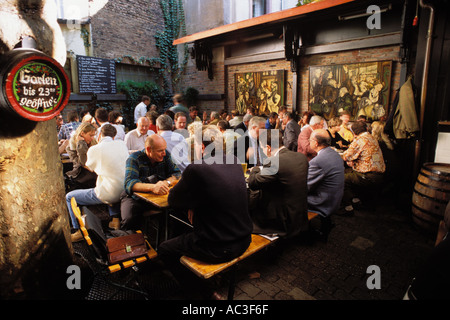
{"x": 335, "y": 270}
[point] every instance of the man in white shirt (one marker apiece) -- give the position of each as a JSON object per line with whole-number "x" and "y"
{"x": 135, "y": 139}
{"x": 101, "y": 115}
{"x": 141, "y": 108}
{"x": 247, "y": 148}
{"x": 236, "y": 118}
{"x": 229, "y": 136}
{"x": 176, "y": 143}
{"x": 108, "y": 160}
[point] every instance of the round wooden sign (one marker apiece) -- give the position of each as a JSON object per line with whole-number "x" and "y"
{"x": 34, "y": 85}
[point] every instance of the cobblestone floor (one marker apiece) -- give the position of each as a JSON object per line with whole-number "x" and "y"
{"x": 335, "y": 270}
{"x": 338, "y": 269}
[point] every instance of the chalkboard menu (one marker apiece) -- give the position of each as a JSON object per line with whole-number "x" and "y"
{"x": 96, "y": 75}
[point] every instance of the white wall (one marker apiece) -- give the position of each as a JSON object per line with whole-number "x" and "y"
{"x": 72, "y": 9}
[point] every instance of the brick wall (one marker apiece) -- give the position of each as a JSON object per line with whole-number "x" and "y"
{"x": 90, "y": 106}
{"x": 199, "y": 79}
{"x": 126, "y": 27}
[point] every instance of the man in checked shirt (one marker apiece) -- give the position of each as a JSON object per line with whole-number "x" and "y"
{"x": 147, "y": 170}
{"x": 67, "y": 128}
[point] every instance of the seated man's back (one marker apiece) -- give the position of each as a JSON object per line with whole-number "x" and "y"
{"x": 278, "y": 191}
{"x": 218, "y": 197}
{"x": 325, "y": 182}
{"x": 215, "y": 195}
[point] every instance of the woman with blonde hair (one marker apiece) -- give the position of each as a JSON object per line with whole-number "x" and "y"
{"x": 382, "y": 138}
{"x": 79, "y": 143}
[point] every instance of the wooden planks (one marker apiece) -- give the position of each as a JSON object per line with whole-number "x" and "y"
{"x": 159, "y": 200}
{"x": 207, "y": 270}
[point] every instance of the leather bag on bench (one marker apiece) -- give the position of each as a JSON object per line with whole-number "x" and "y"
{"x": 126, "y": 247}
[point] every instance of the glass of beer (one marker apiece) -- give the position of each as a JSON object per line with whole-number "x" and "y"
{"x": 244, "y": 167}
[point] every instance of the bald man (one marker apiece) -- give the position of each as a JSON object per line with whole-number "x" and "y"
{"x": 325, "y": 180}
{"x": 147, "y": 170}
{"x": 135, "y": 139}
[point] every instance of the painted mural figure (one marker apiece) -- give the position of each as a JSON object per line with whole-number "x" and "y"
{"x": 360, "y": 89}
{"x": 372, "y": 105}
{"x": 273, "y": 100}
{"x": 241, "y": 106}
{"x": 262, "y": 90}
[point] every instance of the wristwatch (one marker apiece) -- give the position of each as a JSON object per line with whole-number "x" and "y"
{"x": 168, "y": 182}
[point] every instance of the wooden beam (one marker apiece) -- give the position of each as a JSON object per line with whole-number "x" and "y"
{"x": 264, "y": 19}
{"x": 369, "y": 42}
{"x": 277, "y": 55}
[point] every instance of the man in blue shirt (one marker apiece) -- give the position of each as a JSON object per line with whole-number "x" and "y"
{"x": 272, "y": 120}
{"x": 148, "y": 170}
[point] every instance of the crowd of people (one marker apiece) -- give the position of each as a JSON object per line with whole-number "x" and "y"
{"x": 291, "y": 167}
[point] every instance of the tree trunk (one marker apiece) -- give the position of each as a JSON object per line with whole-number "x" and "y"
{"x": 35, "y": 246}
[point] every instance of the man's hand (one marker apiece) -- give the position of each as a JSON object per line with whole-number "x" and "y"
{"x": 161, "y": 187}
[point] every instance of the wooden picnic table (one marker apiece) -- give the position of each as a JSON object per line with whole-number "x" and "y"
{"x": 158, "y": 200}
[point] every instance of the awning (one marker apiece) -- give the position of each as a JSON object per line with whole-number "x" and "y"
{"x": 278, "y": 16}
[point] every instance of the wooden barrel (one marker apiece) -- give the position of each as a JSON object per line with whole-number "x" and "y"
{"x": 431, "y": 195}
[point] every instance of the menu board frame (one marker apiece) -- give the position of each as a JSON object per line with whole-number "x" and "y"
{"x": 96, "y": 75}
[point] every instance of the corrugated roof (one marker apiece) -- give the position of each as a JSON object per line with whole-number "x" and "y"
{"x": 264, "y": 19}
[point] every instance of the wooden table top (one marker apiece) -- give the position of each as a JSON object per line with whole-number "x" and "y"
{"x": 159, "y": 200}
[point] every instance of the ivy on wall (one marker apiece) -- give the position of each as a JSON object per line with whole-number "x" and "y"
{"x": 302, "y": 2}
{"x": 167, "y": 64}
{"x": 175, "y": 27}
{"x": 84, "y": 33}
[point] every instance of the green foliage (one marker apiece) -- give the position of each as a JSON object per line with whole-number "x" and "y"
{"x": 302, "y": 2}
{"x": 105, "y": 105}
{"x": 85, "y": 36}
{"x": 134, "y": 92}
{"x": 191, "y": 96}
{"x": 174, "y": 27}
{"x": 152, "y": 62}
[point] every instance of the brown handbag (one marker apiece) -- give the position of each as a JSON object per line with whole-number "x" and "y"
{"x": 126, "y": 247}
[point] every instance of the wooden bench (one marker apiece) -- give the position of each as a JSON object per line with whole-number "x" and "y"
{"x": 206, "y": 270}
{"x": 312, "y": 215}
